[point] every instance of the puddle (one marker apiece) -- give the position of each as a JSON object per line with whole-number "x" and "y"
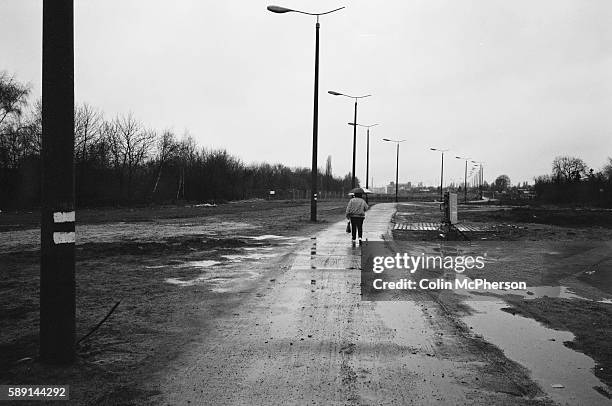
{"x": 221, "y": 290}
{"x": 562, "y": 292}
{"x": 280, "y": 239}
{"x": 532, "y": 292}
{"x": 219, "y": 279}
{"x": 225, "y": 274}
{"x": 191, "y": 264}
{"x": 529, "y": 343}
{"x": 216, "y": 279}
{"x": 191, "y": 282}
{"x": 200, "y": 264}
{"x": 241, "y": 257}
{"x": 269, "y": 237}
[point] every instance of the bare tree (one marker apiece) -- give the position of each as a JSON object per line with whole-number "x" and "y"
{"x": 166, "y": 147}
{"x": 110, "y": 137}
{"x": 568, "y": 168}
{"x": 13, "y": 96}
{"x": 20, "y": 138}
{"x": 34, "y": 126}
{"x": 129, "y": 146}
{"x": 87, "y": 122}
{"x": 186, "y": 153}
{"x": 607, "y": 170}
{"x": 15, "y": 140}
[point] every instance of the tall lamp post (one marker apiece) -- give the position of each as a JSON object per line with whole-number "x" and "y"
{"x": 315, "y": 118}
{"x": 367, "y": 150}
{"x": 464, "y": 179}
{"x": 441, "y": 171}
{"x": 475, "y": 183}
{"x": 397, "y": 142}
{"x": 480, "y": 176}
{"x": 354, "y": 129}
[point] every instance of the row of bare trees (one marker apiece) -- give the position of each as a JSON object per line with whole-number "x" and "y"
{"x": 572, "y": 181}
{"x": 120, "y": 161}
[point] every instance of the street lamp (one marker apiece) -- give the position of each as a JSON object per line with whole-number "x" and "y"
{"x": 315, "y": 118}
{"x": 397, "y": 142}
{"x": 480, "y": 176}
{"x": 441, "y": 171}
{"x": 464, "y": 179}
{"x": 367, "y": 150}
{"x": 333, "y": 93}
{"x": 472, "y": 175}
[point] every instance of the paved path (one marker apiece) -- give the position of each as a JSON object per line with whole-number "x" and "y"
{"x": 307, "y": 338}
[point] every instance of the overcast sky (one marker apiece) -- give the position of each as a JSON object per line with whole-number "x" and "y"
{"x": 512, "y": 83}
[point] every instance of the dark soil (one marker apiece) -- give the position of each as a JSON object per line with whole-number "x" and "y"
{"x": 19, "y": 220}
{"x": 592, "y": 329}
{"x": 508, "y": 223}
{"x": 565, "y": 217}
{"x": 543, "y": 246}
{"x": 155, "y": 320}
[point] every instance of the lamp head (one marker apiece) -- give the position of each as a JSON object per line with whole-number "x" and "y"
{"x": 278, "y": 9}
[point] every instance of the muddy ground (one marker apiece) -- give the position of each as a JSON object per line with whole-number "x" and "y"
{"x": 309, "y": 338}
{"x": 565, "y": 254}
{"x": 128, "y": 256}
{"x": 139, "y": 257}
{"x": 507, "y": 223}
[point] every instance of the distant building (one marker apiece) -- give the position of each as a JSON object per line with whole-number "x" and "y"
{"x": 401, "y": 187}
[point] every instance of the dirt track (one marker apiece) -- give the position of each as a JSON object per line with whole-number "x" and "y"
{"x": 306, "y": 337}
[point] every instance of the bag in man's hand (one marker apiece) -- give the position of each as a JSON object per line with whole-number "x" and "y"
{"x": 348, "y": 227}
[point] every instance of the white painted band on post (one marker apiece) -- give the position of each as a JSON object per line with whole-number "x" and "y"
{"x": 63, "y": 217}
{"x": 61, "y": 237}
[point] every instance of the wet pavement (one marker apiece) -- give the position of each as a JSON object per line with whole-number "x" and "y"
{"x": 305, "y": 336}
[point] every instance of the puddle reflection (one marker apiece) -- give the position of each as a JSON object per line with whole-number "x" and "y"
{"x": 541, "y": 350}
